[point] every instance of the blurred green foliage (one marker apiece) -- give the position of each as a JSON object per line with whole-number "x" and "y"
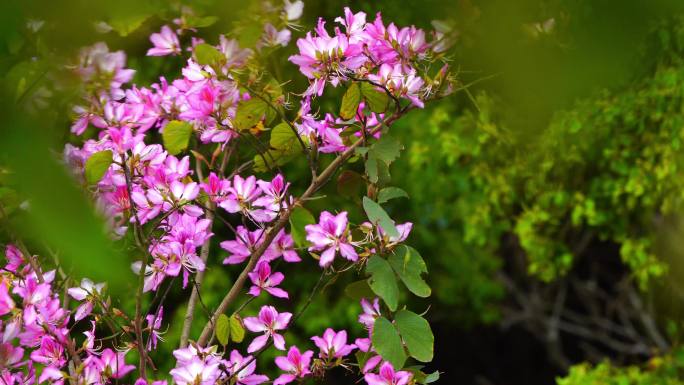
{"x": 568, "y": 128}
{"x": 664, "y": 370}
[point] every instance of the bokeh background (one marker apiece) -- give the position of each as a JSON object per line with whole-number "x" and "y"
{"x": 546, "y": 193}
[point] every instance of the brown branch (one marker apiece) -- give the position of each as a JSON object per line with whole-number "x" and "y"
{"x": 315, "y": 185}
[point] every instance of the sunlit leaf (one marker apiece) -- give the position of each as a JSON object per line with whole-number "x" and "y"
{"x": 97, "y": 165}
{"x": 350, "y": 101}
{"x": 223, "y": 329}
{"x": 176, "y": 136}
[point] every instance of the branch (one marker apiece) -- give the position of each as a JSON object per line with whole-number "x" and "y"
{"x": 315, "y": 185}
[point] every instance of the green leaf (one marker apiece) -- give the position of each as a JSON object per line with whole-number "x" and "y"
{"x": 201, "y": 22}
{"x": 97, "y": 165}
{"x": 350, "y": 101}
{"x": 274, "y": 158}
{"x": 283, "y": 138}
{"x": 372, "y": 167}
{"x": 376, "y": 99}
{"x": 237, "y": 331}
{"x": 349, "y": 184}
{"x": 377, "y": 215}
{"x": 387, "y": 342}
{"x": 249, "y": 113}
{"x": 432, "y": 377}
{"x": 390, "y": 193}
{"x": 208, "y": 54}
{"x": 382, "y": 281}
{"x": 299, "y": 218}
{"x": 125, "y": 24}
{"x": 416, "y": 333}
{"x": 223, "y": 329}
{"x": 359, "y": 289}
{"x": 387, "y": 149}
{"x": 176, "y": 136}
{"x": 409, "y": 265}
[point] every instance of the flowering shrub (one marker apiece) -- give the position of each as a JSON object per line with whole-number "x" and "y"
{"x": 223, "y": 124}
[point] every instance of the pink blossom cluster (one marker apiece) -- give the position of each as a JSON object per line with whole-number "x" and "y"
{"x": 169, "y": 206}
{"x": 36, "y": 340}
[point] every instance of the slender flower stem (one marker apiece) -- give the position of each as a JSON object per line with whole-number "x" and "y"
{"x": 204, "y": 254}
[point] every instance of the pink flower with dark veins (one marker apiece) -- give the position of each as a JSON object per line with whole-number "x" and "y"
{"x": 269, "y": 322}
{"x": 333, "y": 344}
{"x": 243, "y": 371}
{"x": 295, "y": 364}
{"x": 388, "y": 376}
{"x": 330, "y": 236}
{"x": 263, "y": 279}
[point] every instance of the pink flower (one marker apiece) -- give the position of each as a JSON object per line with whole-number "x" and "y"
{"x": 115, "y": 363}
{"x": 241, "y": 197}
{"x": 330, "y": 236}
{"x": 274, "y": 197}
{"x": 244, "y": 374}
{"x": 196, "y": 372}
{"x": 216, "y": 188}
{"x": 370, "y": 312}
{"x": 165, "y": 43}
{"x": 263, "y": 279}
{"x": 242, "y": 247}
{"x": 153, "y": 324}
{"x": 295, "y": 364}
{"x": 387, "y": 376}
{"x": 268, "y": 322}
{"x": 50, "y": 353}
{"x": 333, "y": 344}
{"x": 272, "y": 37}
{"x": 196, "y": 366}
{"x": 365, "y": 345}
{"x": 282, "y": 245}
{"x": 293, "y": 11}
{"x": 6, "y": 302}
{"x": 88, "y": 292}
{"x": 14, "y": 258}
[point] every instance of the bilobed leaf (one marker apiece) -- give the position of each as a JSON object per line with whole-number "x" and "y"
{"x": 237, "y": 331}
{"x": 390, "y": 193}
{"x": 382, "y": 281}
{"x": 125, "y": 24}
{"x": 176, "y": 136}
{"x": 350, "y": 101}
{"x": 299, "y": 218}
{"x": 359, "y": 289}
{"x": 377, "y": 215}
{"x": 409, "y": 265}
{"x": 416, "y": 333}
{"x": 223, "y": 329}
{"x": 283, "y": 138}
{"x": 387, "y": 149}
{"x": 349, "y": 183}
{"x": 387, "y": 342}
{"x": 249, "y": 112}
{"x": 207, "y": 54}
{"x": 376, "y": 99}
{"x": 97, "y": 165}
